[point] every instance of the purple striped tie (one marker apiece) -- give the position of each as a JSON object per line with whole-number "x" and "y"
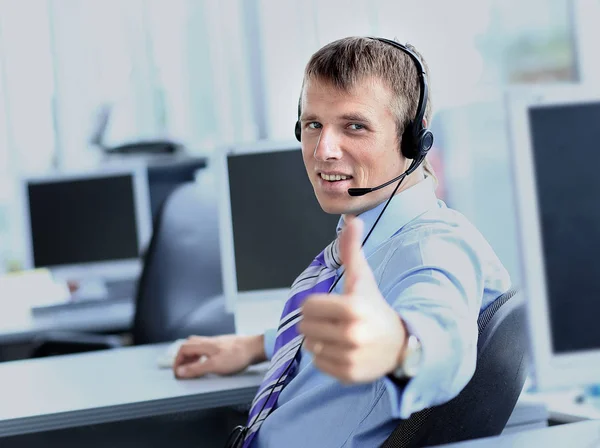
{"x": 317, "y": 278}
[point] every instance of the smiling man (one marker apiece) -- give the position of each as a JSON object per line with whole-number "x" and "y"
{"x": 383, "y": 323}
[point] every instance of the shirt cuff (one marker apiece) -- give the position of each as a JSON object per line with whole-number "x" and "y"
{"x": 269, "y": 342}
{"x": 437, "y": 365}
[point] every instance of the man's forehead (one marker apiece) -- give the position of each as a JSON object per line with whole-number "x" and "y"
{"x": 366, "y": 94}
{"x": 316, "y": 84}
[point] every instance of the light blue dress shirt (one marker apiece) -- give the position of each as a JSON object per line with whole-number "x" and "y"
{"x": 438, "y": 272}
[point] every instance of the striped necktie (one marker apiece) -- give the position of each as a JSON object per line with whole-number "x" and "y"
{"x": 317, "y": 278}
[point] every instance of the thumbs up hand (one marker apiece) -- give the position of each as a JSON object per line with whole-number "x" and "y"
{"x": 357, "y": 336}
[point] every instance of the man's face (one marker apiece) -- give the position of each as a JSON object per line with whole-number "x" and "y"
{"x": 349, "y": 140}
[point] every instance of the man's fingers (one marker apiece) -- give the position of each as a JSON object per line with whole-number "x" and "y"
{"x": 198, "y": 347}
{"x": 325, "y": 332}
{"x": 331, "y": 368}
{"x": 331, "y": 351}
{"x": 191, "y": 351}
{"x": 181, "y": 359}
{"x": 194, "y": 369}
{"x": 328, "y": 307}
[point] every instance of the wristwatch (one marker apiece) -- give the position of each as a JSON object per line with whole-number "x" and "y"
{"x": 412, "y": 359}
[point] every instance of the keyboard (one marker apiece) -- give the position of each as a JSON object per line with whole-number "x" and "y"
{"x": 126, "y": 288}
{"x": 118, "y": 291}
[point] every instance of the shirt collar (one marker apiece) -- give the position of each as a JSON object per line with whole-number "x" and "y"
{"x": 404, "y": 207}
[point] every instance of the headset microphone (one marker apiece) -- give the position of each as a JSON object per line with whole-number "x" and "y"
{"x": 362, "y": 191}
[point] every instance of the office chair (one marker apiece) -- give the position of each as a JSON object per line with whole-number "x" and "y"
{"x": 166, "y": 174}
{"x": 180, "y": 289}
{"x": 141, "y": 147}
{"x": 484, "y": 406}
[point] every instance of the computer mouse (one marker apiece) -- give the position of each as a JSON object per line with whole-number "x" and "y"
{"x": 167, "y": 358}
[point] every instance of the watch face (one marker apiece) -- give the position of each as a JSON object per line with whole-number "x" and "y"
{"x": 411, "y": 366}
{"x": 412, "y": 359}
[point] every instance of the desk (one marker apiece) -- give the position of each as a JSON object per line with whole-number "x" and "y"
{"x": 20, "y": 326}
{"x": 562, "y": 406}
{"x": 112, "y": 385}
{"x": 582, "y": 434}
{"x": 98, "y": 387}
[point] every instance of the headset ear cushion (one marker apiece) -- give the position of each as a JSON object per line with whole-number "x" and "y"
{"x": 408, "y": 144}
{"x": 298, "y": 131}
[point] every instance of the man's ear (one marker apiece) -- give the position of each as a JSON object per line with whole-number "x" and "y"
{"x": 424, "y": 122}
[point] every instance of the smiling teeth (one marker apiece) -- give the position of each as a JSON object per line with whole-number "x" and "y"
{"x": 333, "y": 177}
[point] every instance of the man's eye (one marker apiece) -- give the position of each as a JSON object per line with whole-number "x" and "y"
{"x": 356, "y": 126}
{"x": 314, "y": 125}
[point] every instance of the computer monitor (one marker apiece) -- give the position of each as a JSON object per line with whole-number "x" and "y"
{"x": 88, "y": 225}
{"x": 556, "y": 156}
{"x": 272, "y": 226}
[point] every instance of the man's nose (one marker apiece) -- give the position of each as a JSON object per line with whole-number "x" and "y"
{"x": 328, "y": 146}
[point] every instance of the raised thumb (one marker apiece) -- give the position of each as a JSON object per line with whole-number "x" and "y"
{"x": 355, "y": 264}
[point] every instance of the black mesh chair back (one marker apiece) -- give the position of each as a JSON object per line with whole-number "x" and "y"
{"x": 484, "y": 406}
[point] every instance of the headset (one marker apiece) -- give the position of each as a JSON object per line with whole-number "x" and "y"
{"x": 416, "y": 142}
{"x": 416, "y": 139}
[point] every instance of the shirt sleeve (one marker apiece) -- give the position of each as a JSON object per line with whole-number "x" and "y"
{"x": 436, "y": 286}
{"x": 269, "y": 342}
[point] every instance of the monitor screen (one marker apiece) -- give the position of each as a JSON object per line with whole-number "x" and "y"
{"x": 75, "y": 221}
{"x": 566, "y": 152}
{"x": 278, "y": 225}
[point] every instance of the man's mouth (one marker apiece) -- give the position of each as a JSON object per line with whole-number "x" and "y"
{"x": 334, "y": 177}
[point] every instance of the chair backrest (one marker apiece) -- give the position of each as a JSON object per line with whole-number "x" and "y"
{"x": 484, "y": 406}
{"x": 180, "y": 291}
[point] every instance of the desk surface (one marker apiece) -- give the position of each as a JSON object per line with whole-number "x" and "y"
{"x": 582, "y": 434}
{"x": 21, "y": 326}
{"x": 111, "y": 385}
{"x": 564, "y": 407}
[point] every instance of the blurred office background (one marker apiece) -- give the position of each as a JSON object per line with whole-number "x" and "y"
{"x": 83, "y": 82}
{"x": 209, "y": 73}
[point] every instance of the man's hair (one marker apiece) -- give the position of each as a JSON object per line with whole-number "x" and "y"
{"x": 345, "y": 62}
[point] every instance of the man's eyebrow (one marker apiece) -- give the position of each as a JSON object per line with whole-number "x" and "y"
{"x": 308, "y": 117}
{"x": 355, "y": 117}
{"x": 347, "y": 117}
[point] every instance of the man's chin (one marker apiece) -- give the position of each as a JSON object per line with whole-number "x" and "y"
{"x": 336, "y": 207}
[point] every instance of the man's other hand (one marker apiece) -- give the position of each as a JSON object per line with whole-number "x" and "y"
{"x": 222, "y": 355}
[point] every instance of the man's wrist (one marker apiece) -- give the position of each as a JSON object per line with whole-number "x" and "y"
{"x": 257, "y": 348}
{"x": 409, "y": 359}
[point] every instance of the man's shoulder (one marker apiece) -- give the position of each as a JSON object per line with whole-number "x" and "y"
{"x": 439, "y": 222}
{"x": 443, "y": 239}
{"x": 441, "y": 234}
